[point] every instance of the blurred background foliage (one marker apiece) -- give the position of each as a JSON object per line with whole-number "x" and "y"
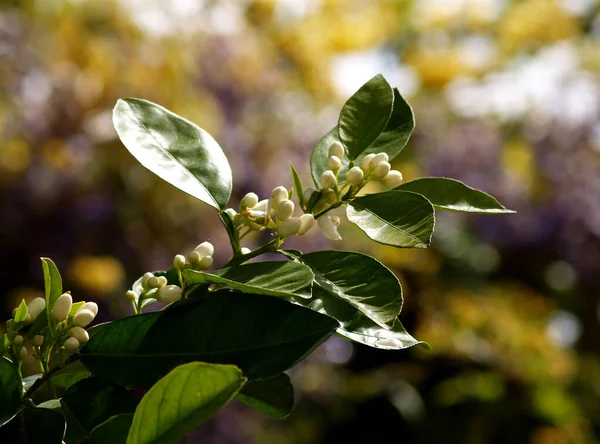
{"x": 507, "y": 98}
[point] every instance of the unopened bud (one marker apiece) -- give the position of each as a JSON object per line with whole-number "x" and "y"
{"x": 364, "y": 165}
{"x": 334, "y": 162}
{"x": 162, "y": 281}
{"x": 153, "y": 282}
{"x": 355, "y": 176}
{"x": 35, "y": 307}
{"x": 278, "y": 194}
{"x": 289, "y": 227}
{"x": 179, "y": 262}
{"x": 307, "y": 194}
{"x": 381, "y": 157}
{"x": 131, "y": 296}
{"x": 307, "y": 221}
{"x": 80, "y": 334}
{"x": 382, "y": 169}
{"x": 245, "y": 250}
{"x": 23, "y": 353}
{"x": 261, "y": 205}
{"x": 71, "y": 345}
{"x": 194, "y": 257}
{"x": 205, "y": 249}
{"x": 285, "y": 209}
{"x": 10, "y": 324}
{"x": 168, "y": 294}
{"x": 328, "y": 180}
{"x": 38, "y": 341}
{"x": 18, "y": 340}
{"x": 91, "y": 306}
{"x": 393, "y": 179}
{"x": 205, "y": 263}
{"x": 336, "y": 149}
{"x": 145, "y": 278}
{"x": 62, "y": 307}
{"x": 248, "y": 201}
{"x": 83, "y": 318}
{"x": 231, "y": 213}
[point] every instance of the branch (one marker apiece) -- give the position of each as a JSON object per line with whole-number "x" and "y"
{"x": 39, "y": 382}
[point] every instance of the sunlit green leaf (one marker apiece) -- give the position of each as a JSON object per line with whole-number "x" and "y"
{"x": 52, "y": 282}
{"x": 21, "y": 313}
{"x": 114, "y": 430}
{"x": 10, "y": 390}
{"x": 365, "y": 331}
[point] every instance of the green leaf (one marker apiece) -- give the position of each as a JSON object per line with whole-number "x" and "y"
{"x": 21, "y": 313}
{"x": 273, "y": 397}
{"x": 365, "y": 115}
{"x": 453, "y": 195}
{"x": 35, "y": 426}
{"x": 114, "y": 430}
{"x": 75, "y": 307}
{"x": 396, "y": 218}
{"x": 90, "y": 402}
{"x": 40, "y": 323}
{"x": 52, "y": 282}
{"x": 3, "y": 345}
{"x": 297, "y": 185}
{"x": 182, "y": 400}
{"x": 10, "y": 390}
{"x": 262, "y": 335}
{"x": 52, "y": 404}
{"x": 361, "y": 281}
{"x": 174, "y": 149}
{"x": 66, "y": 380}
{"x": 28, "y": 381}
{"x": 268, "y": 278}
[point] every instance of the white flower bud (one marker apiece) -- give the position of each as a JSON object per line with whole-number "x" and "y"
{"x": 355, "y": 176}
{"x": 71, "y": 345}
{"x": 381, "y": 157}
{"x": 392, "y": 179}
{"x": 145, "y": 278}
{"x": 35, "y": 307}
{"x": 168, "y": 294}
{"x": 285, "y": 209}
{"x": 162, "y": 281}
{"x": 334, "y": 162}
{"x": 289, "y": 227}
{"x": 179, "y": 262}
{"x": 231, "y": 213}
{"x": 194, "y": 257}
{"x": 328, "y": 180}
{"x": 382, "y": 169}
{"x": 336, "y": 149}
{"x": 248, "y": 201}
{"x": 91, "y": 306}
{"x": 364, "y": 165}
{"x": 205, "y": 263}
{"x": 62, "y": 307}
{"x": 329, "y": 227}
{"x": 278, "y": 194}
{"x": 153, "y": 282}
{"x": 38, "y": 340}
{"x": 18, "y": 340}
{"x": 83, "y": 318}
{"x": 307, "y": 194}
{"x": 307, "y": 221}
{"x": 131, "y": 296}
{"x": 205, "y": 249}
{"x": 245, "y": 250}
{"x": 261, "y": 205}
{"x": 23, "y": 353}
{"x": 80, "y": 334}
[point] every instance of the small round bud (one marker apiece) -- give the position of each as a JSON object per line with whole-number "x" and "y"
{"x": 35, "y": 307}
{"x": 162, "y": 281}
{"x": 336, "y": 149}
{"x": 62, "y": 307}
{"x": 289, "y": 227}
{"x": 71, "y": 345}
{"x": 334, "y": 163}
{"x": 307, "y": 194}
{"x": 179, "y": 262}
{"x": 91, "y": 306}
{"x": 18, "y": 340}
{"x": 382, "y": 169}
{"x": 131, "y": 296}
{"x": 381, "y": 157}
{"x": 261, "y": 205}
{"x": 168, "y": 294}
{"x": 328, "y": 180}
{"x": 194, "y": 257}
{"x": 277, "y": 195}
{"x": 205, "y": 263}
{"x": 307, "y": 221}
{"x": 248, "y": 201}
{"x": 80, "y": 334}
{"x": 38, "y": 340}
{"x": 205, "y": 249}
{"x": 355, "y": 176}
{"x": 285, "y": 209}
{"x": 145, "y": 278}
{"x": 393, "y": 179}
{"x": 231, "y": 213}
{"x": 23, "y": 353}
{"x": 153, "y": 282}
{"x": 364, "y": 165}
{"x": 83, "y": 318}
{"x": 10, "y": 324}
{"x": 245, "y": 250}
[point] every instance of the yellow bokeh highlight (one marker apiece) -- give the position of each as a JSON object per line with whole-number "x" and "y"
{"x": 100, "y": 275}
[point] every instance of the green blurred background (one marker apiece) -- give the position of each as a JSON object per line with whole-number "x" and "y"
{"x": 507, "y": 98}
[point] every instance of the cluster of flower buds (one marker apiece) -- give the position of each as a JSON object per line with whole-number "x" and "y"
{"x": 376, "y": 167}
{"x": 201, "y": 257}
{"x": 23, "y": 315}
{"x": 72, "y": 321}
{"x": 334, "y": 161}
{"x": 158, "y": 287}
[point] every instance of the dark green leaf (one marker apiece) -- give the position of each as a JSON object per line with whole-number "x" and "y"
{"x": 453, "y": 195}
{"x": 273, "y": 397}
{"x": 361, "y": 281}
{"x": 182, "y": 400}
{"x": 365, "y": 115}
{"x": 66, "y": 380}
{"x": 52, "y": 404}
{"x": 10, "y": 390}
{"x": 30, "y": 380}
{"x": 268, "y": 278}
{"x": 297, "y": 185}
{"x": 262, "y": 335}
{"x": 320, "y": 155}
{"x": 52, "y": 282}
{"x": 21, "y": 313}
{"x": 114, "y": 430}
{"x": 90, "y": 402}
{"x": 397, "y": 218}
{"x": 174, "y": 149}
{"x": 38, "y": 325}
{"x": 35, "y": 426}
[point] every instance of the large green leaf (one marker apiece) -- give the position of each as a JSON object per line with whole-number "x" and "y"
{"x": 182, "y": 400}
{"x": 268, "y": 278}
{"x": 365, "y": 115}
{"x": 10, "y": 390}
{"x": 175, "y": 149}
{"x": 361, "y": 281}
{"x": 40, "y": 323}
{"x": 35, "y": 426}
{"x": 453, "y": 195}
{"x": 397, "y": 218}
{"x": 262, "y": 335}
{"x": 90, "y": 402}
{"x": 365, "y": 331}
{"x": 273, "y": 397}
{"x": 52, "y": 282}
{"x": 114, "y": 430}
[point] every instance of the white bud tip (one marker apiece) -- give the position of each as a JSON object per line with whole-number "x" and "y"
{"x": 334, "y": 163}
{"x": 355, "y": 176}
{"x": 83, "y": 318}
{"x": 231, "y": 213}
{"x": 248, "y": 201}
{"x": 38, "y": 340}
{"x": 289, "y": 227}
{"x": 62, "y": 307}
{"x": 336, "y": 149}
{"x": 307, "y": 220}
{"x": 381, "y": 157}
{"x": 71, "y": 345}
{"x": 162, "y": 281}
{"x": 145, "y": 278}
{"x": 364, "y": 165}
{"x": 261, "y": 205}
{"x": 285, "y": 209}
{"x": 194, "y": 257}
{"x": 205, "y": 263}
{"x": 205, "y": 249}
{"x": 35, "y": 307}
{"x": 382, "y": 169}
{"x": 179, "y": 262}
{"x": 328, "y": 180}
{"x": 307, "y": 194}
{"x": 277, "y": 195}
{"x": 18, "y": 340}
{"x": 131, "y": 296}
{"x": 91, "y": 306}
{"x": 168, "y": 294}
{"x": 245, "y": 250}
{"x": 153, "y": 282}
{"x": 80, "y": 334}
{"x": 393, "y": 179}
{"x": 23, "y": 353}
